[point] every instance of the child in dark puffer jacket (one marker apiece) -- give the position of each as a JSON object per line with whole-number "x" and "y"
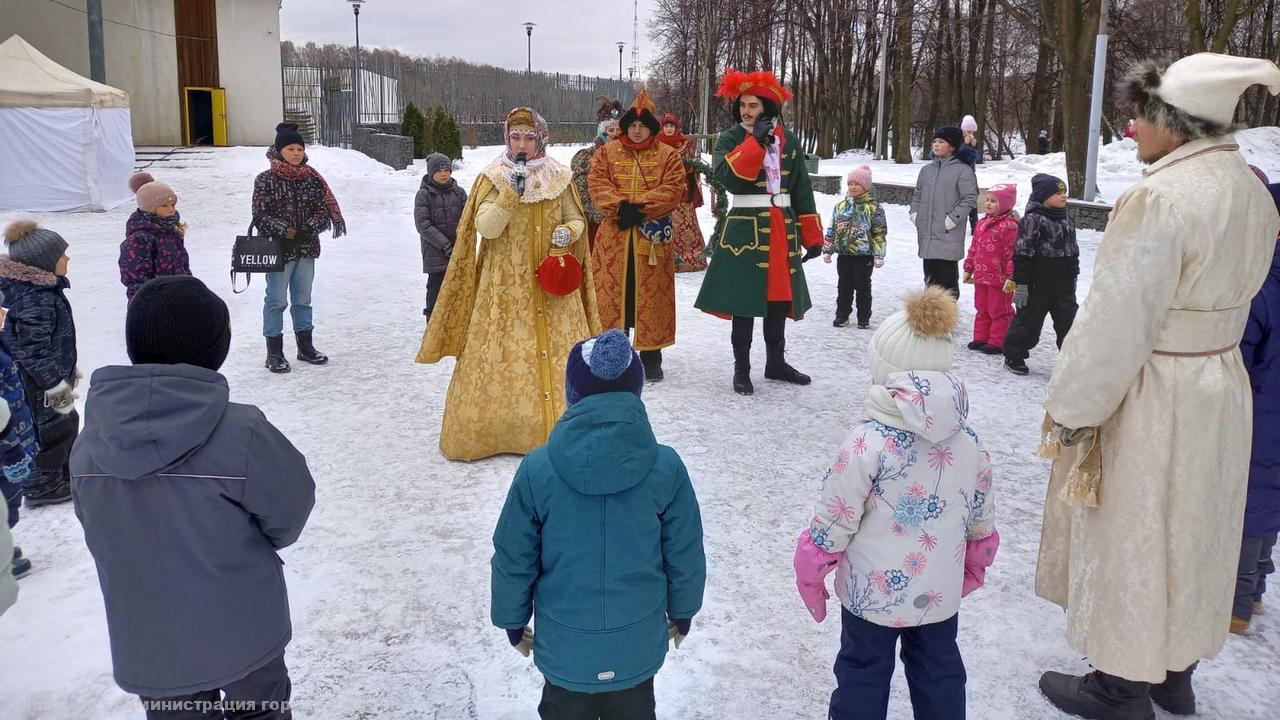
{"x": 153, "y": 244}
{"x": 40, "y": 335}
{"x": 1046, "y": 263}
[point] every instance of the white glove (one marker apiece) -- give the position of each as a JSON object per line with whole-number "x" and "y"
{"x": 949, "y": 224}
{"x": 913, "y": 218}
{"x": 61, "y": 397}
{"x": 525, "y": 645}
{"x": 517, "y": 171}
{"x": 561, "y": 237}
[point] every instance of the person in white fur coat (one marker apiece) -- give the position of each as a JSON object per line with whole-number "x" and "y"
{"x": 907, "y": 521}
{"x": 1149, "y": 407}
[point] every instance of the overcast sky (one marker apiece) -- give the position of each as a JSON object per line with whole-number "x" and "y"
{"x": 571, "y": 36}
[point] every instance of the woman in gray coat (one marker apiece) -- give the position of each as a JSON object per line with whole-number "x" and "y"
{"x": 436, "y": 211}
{"x": 946, "y": 191}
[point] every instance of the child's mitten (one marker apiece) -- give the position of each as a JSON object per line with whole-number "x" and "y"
{"x": 812, "y": 565}
{"x": 521, "y": 639}
{"x": 61, "y": 397}
{"x": 1020, "y": 297}
{"x": 678, "y": 629}
{"x": 978, "y": 556}
{"x": 968, "y": 278}
{"x": 18, "y": 472}
{"x": 878, "y": 262}
{"x": 1009, "y": 286}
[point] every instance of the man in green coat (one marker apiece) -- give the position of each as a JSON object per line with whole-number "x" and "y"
{"x": 750, "y": 276}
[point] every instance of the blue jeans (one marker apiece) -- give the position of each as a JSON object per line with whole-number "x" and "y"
{"x": 295, "y": 280}
{"x": 864, "y": 669}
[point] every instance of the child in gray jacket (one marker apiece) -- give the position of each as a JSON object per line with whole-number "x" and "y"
{"x": 185, "y": 498}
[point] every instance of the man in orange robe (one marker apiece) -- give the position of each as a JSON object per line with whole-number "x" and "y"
{"x": 636, "y": 182}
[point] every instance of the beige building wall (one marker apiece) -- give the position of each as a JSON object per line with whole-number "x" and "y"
{"x": 249, "y": 68}
{"x": 144, "y": 61}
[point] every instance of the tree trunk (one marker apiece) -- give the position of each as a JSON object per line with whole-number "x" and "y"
{"x": 902, "y": 124}
{"x": 1038, "y": 118}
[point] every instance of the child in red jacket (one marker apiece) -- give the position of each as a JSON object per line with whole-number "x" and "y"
{"x": 989, "y": 265}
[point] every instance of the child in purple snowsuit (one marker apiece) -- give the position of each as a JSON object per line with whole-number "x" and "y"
{"x": 153, "y": 243}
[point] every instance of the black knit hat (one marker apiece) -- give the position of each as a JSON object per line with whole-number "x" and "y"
{"x": 175, "y": 319}
{"x": 1045, "y": 186}
{"x": 951, "y": 134}
{"x": 287, "y": 134}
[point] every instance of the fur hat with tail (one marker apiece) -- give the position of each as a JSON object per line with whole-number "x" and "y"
{"x": 918, "y": 337}
{"x": 1196, "y": 96}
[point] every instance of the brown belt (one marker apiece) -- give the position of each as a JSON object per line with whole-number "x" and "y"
{"x": 1206, "y": 353}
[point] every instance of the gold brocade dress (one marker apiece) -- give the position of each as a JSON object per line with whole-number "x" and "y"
{"x": 511, "y": 338}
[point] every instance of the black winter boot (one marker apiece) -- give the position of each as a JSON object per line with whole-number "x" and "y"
{"x": 1175, "y": 694}
{"x": 306, "y": 351}
{"x": 57, "y": 494}
{"x": 652, "y": 361}
{"x": 1098, "y": 696}
{"x": 21, "y": 565}
{"x": 742, "y": 370}
{"x": 776, "y": 367}
{"x": 275, "y": 355}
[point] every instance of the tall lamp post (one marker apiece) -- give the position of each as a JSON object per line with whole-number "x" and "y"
{"x": 355, "y": 77}
{"x": 620, "y": 44}
{"x": 1095, "y": 106}
{"x": 528, "y": 32}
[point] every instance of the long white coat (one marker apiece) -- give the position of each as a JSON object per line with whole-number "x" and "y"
{"x": 1147, "y": 576}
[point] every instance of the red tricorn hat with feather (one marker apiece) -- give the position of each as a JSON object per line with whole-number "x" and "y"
{"x": 762, "y": 83}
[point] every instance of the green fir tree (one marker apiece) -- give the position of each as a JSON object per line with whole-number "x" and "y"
{"x": 448, "y": 137}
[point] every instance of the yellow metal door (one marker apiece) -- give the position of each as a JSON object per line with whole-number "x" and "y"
{"x": 219, "y": 116}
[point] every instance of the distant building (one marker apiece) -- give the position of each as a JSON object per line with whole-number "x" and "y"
{"x": 198, "y": 72}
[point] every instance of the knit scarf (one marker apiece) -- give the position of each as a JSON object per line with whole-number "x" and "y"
{"x": 292, "y": 173}
{"x": 1041, "y": 209}
{"x": 676, "y": 141}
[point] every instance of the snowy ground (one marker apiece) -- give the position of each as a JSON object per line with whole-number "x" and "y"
{"x": 389, "y": 582}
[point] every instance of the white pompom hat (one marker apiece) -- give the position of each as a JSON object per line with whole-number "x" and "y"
{"x": 918, "y": 337}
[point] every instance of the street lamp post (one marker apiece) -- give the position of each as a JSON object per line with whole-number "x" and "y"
{"x": 1095, "y": 106}
{"x": 528, "y": 31}
{"x": 355, "y": 77}
{"x": 620, "y": 44}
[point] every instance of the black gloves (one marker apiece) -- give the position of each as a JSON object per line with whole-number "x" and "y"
{"x": 762, "y": 131}
{"x": 811, "y": 253}
{"x": 630, "y": 215}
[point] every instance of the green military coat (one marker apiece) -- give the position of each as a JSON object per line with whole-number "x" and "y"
{"x": 737, "y": 280}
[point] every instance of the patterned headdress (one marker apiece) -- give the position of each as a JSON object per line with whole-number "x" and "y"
{"x": 763, "y": 84}
{"x": 527, "y": 119}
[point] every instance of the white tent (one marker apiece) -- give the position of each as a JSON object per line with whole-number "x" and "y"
{"x": 65, "y": 141}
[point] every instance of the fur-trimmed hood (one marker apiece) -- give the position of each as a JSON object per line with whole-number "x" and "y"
{"x": 18, "y": 272}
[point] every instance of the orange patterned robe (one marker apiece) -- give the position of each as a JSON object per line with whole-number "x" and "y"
{"x": 650, "y": 173}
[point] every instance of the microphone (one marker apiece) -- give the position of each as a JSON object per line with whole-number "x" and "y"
{"x": 520, "y": 171}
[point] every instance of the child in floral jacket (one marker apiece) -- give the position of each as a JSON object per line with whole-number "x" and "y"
{"x": 857, "y": 234}
{"x": 153, "y": 243}
{"x": 989, "y": 265}
{"x": 907, "y": 521}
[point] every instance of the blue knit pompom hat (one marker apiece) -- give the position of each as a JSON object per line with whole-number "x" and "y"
{"x": 603, "y": 364}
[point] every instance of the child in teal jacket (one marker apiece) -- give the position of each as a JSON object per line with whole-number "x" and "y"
{"x": 600, "y": 541}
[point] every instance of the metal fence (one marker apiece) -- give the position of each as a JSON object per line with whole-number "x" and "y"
{"x": 321, "y": 97}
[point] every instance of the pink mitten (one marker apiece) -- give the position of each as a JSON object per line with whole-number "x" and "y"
{"x": 812, "y": 565}
{"x": 978, "y": 556}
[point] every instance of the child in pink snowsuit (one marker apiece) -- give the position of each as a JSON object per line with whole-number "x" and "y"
{"x": 906, "y": 520}
{"x": 989, "y": 265}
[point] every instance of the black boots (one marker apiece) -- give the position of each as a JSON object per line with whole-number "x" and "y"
{"x": 742, "y": 370}
{"x": 58, "y": 493}
{"x": 275, "y": 355}
{"x": 306, "y": 351}
{"x": 652, "y": 361}
{"x": 1098, "y": 696}
{"x": 1175, "y": 694}
{"x": 21, "y": 565}
{"x": 776, "y": 367}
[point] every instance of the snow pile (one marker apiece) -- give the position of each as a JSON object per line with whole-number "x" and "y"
{"x": 389, "y": 581}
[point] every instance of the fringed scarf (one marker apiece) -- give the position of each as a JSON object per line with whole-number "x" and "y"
{"x": 285, "y": 171}
{"x": 1084, "y": 477}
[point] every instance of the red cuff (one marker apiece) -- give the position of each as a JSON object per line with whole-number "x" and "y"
{"x": 810, "y": 230}
{"x": 747, "y": 160}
